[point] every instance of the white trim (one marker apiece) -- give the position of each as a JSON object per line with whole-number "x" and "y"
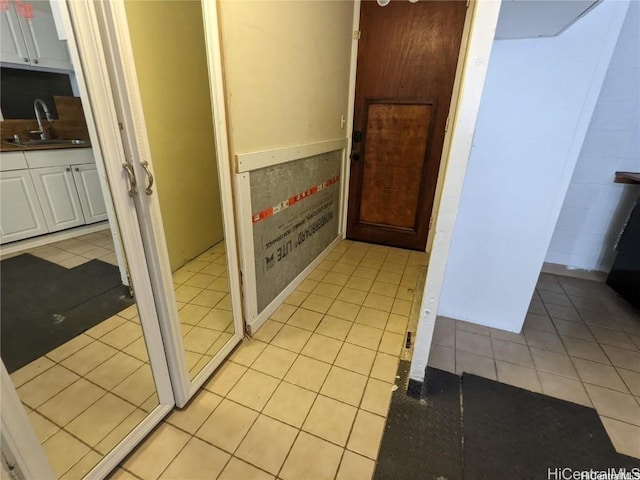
{"x": 262, "y": 317}
{"x": 448, "y": 134}
{"x": 80, "y": 88}
{"x": 35, "y": 242}
{"x": 266, "y": 158}
{"x": 253, "y": 318}
{"x": 128, "y": 443}
{"x": 20, "y": 445}
{"x": 483, "y": 25}
{"x": 221, "y": 355}
{"x": 118, "y": 43}
{"x": 101, "y": 108}
{"x": 225, "y": 180}
{"x": 350, "y": 115}
{"x": 568, "y": 271}
{"x": 247, "y": 253}
{"x": 342, "y": 202}
{"x": 121, "y": 70}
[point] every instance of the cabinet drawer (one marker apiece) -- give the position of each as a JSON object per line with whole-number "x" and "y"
{"x": 12, "y": 161}
{"x": 58, "y": 158}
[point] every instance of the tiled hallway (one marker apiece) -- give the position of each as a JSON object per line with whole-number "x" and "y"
{"x": 307, "y": 397}
{"x": 580, "y": 343}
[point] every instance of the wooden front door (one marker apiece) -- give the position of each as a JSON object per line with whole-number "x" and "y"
{"x": 407, "y": 57}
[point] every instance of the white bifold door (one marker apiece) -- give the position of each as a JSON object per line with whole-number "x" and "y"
{"x": 75, "y": 410}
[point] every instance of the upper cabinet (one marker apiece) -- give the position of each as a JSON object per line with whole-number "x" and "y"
{"x": 29, "y": 36}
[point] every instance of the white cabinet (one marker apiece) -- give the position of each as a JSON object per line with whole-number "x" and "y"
{"x": 58, "y": 196}
{"x": 20, "y": 213}
{"x": 90, "y": 192}
{"x": 29, "y": 36}
{"x": 44, "y": 191}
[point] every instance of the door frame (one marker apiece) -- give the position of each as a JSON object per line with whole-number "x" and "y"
{"x": 20, "y": 444}
{"x": 121, "y": 64}
{"x": 475, "y": 50}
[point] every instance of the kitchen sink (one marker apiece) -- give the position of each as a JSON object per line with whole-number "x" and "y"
{"x": 50, "y": 141}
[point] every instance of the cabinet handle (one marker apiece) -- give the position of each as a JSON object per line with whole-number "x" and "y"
{"x": 133, "y": 186}
{"x": 68, "y": 169}
{"x": 26, "y": 60}
{"x": 35, "y": 60}
{"x": 148, "y": 190}
{"x": 77, "y": 169}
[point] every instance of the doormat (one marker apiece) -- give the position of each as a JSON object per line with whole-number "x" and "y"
{"x": 473, "y": 428}
{"x": 43, "y": 305}
{"x": 423, "y": 437}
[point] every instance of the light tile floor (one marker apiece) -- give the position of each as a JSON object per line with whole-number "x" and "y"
{"x": 204, "y": 306}
{"x": 76, "y": 251}
{"x": 580, "y": 343}
{"x": 307, "y": 397}
{"x": 85, "y": 396}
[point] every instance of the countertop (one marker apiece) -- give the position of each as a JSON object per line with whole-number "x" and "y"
{"x": 9, "y": 147}
{"x": 627, "y": 177}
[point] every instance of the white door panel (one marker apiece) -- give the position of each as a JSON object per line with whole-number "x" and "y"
{"x": 20, "y": 213}
{"x": 41, "y": 37}
{"x": 13, "y": 48}
{"x": 58, "y": 197}
{"x": 90, "y": 193}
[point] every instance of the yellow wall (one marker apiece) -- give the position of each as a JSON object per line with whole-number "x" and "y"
{"x": 286, "y": 71}
{"x": 169, "y": 50}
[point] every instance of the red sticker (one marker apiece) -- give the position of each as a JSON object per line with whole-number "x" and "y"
{"x": 264, "y": 214}
{"x": 28, "y": 11}
{"x": 19, "y": 7}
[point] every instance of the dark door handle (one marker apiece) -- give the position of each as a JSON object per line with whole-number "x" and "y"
{"x": 355, "y": 156}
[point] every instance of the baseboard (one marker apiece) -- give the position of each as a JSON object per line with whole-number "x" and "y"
{"x": 567, "y": 271}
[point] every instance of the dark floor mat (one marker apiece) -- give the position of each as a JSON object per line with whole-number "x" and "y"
{"x": 423, "y": 437}
{"x": 55, "y": 287}
{"x": 44, "y": 305}
{"x": 514, "y": 433}
{"x": 474, "y": 429}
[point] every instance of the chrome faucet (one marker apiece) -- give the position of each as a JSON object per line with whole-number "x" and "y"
{"x": 45, "y": 109}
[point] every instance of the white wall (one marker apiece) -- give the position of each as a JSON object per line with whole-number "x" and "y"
{"x": 286, "y": 71}
{"x": 595, "y": 208}
{"x": 538, "y": 99}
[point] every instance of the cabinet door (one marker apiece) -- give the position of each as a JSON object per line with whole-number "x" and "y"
{"x": 12, "y": 45}
{"x": 20, "y": 213}
{"x": 58, "y": 196}
{"x": 40, "y": 34}
{"x": 90, "y": 193}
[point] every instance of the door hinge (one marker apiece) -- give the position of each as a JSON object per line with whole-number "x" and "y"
{"x": 468, "y": 1}
{"x": 130, "y": 286}
{"x": 120, "y": 125}
{"x": 356, "y": 34}
{"x": 446, "y": 125}
{"x": 430, "y": 222}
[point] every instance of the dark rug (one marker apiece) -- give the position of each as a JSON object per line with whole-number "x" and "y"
{"x": 473, "y": 428}
{"x": 423, "y": 437}
{"x": 43, "y": 305}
